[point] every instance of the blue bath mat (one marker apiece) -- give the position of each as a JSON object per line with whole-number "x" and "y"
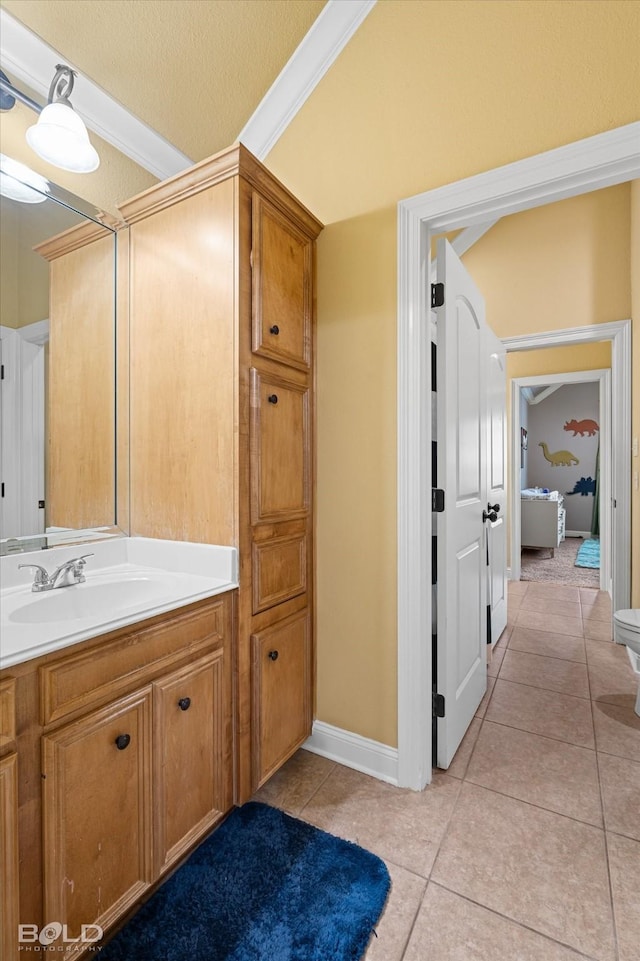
{"x": 589, "y": 554}
{"x": 263, "y": 887}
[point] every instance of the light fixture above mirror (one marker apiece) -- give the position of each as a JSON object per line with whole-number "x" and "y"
{"x": 59, "y": 136}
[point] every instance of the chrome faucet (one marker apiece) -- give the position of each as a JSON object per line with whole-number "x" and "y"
{"x": 68, "y": 573}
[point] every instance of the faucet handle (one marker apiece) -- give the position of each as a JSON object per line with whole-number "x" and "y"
{"x": 41, "y": 576}
{"x": 79, "y": 562}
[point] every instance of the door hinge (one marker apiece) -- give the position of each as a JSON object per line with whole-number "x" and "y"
{"x": 251, "y": 259}
{"x": 1, "y": 371}
{"x": 437, "y": 500}
{"x": 2, "y": 489}
{"x": 40, "y": 505}
{"x": 438, "y": 704}
{"x": 437, "y": 295}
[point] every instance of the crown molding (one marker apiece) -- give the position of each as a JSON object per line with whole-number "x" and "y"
{"x": 327, "y": 37}
{"x": 27, "y": 58}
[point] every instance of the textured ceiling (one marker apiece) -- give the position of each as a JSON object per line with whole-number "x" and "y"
{"x": 194, "y": 70}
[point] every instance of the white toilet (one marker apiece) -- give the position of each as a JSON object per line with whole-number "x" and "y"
{"x": 626, "y": 630}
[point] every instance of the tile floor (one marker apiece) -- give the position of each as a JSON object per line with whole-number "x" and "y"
{"x": 528, "y": 847}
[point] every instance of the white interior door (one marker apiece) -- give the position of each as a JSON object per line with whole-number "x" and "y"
{"x": 461, "y": 589}
{"x": 496, "y": 482}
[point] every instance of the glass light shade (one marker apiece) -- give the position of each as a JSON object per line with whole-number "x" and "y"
{"x": 19, "y": 182}
{"x": 60, "y": 137}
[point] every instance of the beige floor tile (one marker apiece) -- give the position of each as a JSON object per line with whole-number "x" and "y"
{"x": 610, "y": 673}
{"x": 542, "y": 712}
{"x": 596, "y": 612}
{"x": 451, "y": 928}
{"x": 296, "y": 782}
{"x": 458, "y": 767}
{"x": 495, "y": 660}
{"x": 624, "y": 862}
{"x": 617, "y": 727}
{"x": 394, "y": 926}
{"x": 504, "y": 637}
{"x": 549, "y": 673}
{"x": 484, "y": 703}
{"x": 597, "y": 630}
{"x": 536, "y": 867}
{"x": 590, "y": 596}
{"x": 553, "y": 591}
{"x": 544, "y": 604}
{"x": 549, "y": 773}
{"x": 517, "y": 587}
{"x": 551, "y": 645}
{"x": 514, "y": 601}
{"x": 399, "y": 825}
{"x": 620, "y": 780}
{"x": 554, "y": 623}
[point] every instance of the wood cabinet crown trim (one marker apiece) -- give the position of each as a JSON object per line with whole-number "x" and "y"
{"x": 79, "y": 236}
{"x": 235, "y": 160}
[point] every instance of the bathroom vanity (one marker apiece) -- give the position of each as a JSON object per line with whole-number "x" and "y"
{"x": 117, "y": 744}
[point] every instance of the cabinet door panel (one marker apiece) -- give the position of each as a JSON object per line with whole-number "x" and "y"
{"x": 280, "y": 448}
{"x": 281, "y": 693}
{"x": 282, "y": 275}
{"x": 9, "y": 906}
{"x": 279, "y": 570}
{"x": 97, "y": 814}
{"x": 192, "y": 750}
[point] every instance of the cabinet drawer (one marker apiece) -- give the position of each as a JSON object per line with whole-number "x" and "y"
{"x": 282, "y": 274}
{"x": 92, "y": 677}
{"x": 279, "y": 571}
{"x": 281, "y": 681}
{"x": 280, "y": 448}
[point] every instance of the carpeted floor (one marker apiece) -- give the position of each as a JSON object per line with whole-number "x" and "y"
{"x": 538, "y": 565}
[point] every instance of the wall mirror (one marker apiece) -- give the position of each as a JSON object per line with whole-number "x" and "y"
{"x": 62, "y": 410}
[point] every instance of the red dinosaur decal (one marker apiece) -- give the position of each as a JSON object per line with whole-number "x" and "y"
{"x": 582, "y": 427}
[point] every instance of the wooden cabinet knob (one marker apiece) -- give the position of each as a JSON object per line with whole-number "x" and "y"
{"x": 122, "y": 741}
{"x": 273, "y": 655}
{"x": 273, "y": 398}
{"x": 184, "y": 703}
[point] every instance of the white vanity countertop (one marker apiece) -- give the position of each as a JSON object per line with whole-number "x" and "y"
{"x": 128, "y": 579}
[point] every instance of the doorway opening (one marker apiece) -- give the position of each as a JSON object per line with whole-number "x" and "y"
{"x": 604, "y": 160}
{"x": 561, "y": 478}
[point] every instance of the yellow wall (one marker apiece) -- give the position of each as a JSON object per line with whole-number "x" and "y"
{"x": 558, "y": 360}
{"x": 635, "y": 416}
{"x": 425, "y": 93}
{"x": 563, "y": 265}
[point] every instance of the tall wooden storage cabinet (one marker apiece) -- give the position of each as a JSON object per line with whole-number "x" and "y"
{"x": 221, "y": 312}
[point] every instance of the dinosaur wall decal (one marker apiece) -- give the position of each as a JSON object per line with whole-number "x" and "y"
{"x": 584, "y": 486}
{"x": 582, "y": 427}
{"x": 560, "y": 458}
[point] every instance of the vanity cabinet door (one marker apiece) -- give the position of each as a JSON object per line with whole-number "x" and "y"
{"x": 9, "y": 906}
{"x": 282, "y": 287}
{"x": 97, "y": 814}
{"x": 280, "y": 448}
{"x": 281, "y": 676}
{"x": 192, "y": 755}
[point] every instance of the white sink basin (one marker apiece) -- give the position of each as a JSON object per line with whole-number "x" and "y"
{"x": 90, "y": 600}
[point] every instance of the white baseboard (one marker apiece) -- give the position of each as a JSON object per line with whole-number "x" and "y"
{"x": 352, "y": 750}
{"x": 635, "y": 660}
{"x": 586, "y": 535}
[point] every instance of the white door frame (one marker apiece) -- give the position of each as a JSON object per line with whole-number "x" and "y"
{"x": 608, "y": 538}
{"x": 602, "y": 161}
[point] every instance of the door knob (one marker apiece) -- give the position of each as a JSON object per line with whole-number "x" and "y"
{"x": 494, "y": 507}
{"x": 491, "y": 516}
